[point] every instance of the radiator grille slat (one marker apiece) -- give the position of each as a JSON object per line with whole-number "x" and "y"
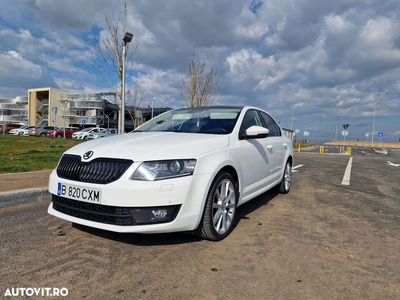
{"x": 99, "y": 170}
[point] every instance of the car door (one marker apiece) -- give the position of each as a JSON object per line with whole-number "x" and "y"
{"x": 257, "y": 158}
{"x": 277, "y": 146}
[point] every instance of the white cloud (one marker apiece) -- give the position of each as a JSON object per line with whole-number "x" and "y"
{"x": 332, "y": 59}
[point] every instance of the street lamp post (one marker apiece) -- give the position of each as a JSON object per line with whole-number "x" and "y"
{"x": 127, "y": 39}
{"x": 291, "y": 124}
{"x": 152, "y": 106}
{"x": 373, "y": 127}
{"x": 65, "y": 115}
{"x": 337, "y": 120}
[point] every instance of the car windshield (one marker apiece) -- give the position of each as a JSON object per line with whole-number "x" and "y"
{"x": 86, "y": 129}
{"x": 103, "y": 131}
{"x": 212, "y": 120}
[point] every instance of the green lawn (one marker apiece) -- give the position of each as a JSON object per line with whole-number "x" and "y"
{"x": 26, "y": 153}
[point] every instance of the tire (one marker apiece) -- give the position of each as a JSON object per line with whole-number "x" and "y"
{"x": 86, "y": 138}
{"x": 59, "y": 136}
{"x": 20, "y": 133}
{"x": 43, "y": 134}
{"x": 286, "y": 182}
{"x": 220, "y": 209}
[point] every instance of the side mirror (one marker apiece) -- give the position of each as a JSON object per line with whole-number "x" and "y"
{"x": 255, "y": 132}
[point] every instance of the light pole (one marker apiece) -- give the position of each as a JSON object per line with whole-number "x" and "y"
{"x": 152, "y": 106}
{"x": 65, "y": 115}
{"x": 373, "y": 127}
{"x": 127, "y": 39}
{"x": 291, "y": 124}
{"x": 337, "y": 120}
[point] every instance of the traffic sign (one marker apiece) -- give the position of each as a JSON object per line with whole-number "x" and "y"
{"x": 345, "y": 126}
{"x": 345, "y": 132}
{"x": 367, "y": 134}
{"x": 83, "y": 121}
{"x": 380, "y": 134}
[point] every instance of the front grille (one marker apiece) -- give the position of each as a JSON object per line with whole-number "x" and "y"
{"x": 114, "y": 215}
{"x": 99, "y": 170}
{"x": 93, "y": 212}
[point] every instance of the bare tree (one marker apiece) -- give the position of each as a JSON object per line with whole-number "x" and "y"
{"x": 135, "y": 103}
{"x": 109, "y": 58}
{"x": 198, "y": 87}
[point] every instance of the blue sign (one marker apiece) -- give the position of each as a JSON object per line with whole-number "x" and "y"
{"x": 380, "y": 134}
{"x": 83, "y": 121}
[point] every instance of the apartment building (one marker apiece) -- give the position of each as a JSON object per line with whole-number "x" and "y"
{"x": 14, "y": 110}
{"x": 55, "y": 107}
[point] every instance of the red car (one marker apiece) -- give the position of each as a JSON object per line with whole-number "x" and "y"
{"x": 59, "y": 133}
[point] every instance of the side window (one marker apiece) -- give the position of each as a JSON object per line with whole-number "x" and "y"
{"x": 252, "y": 118}
{"x": 273, "y": 128}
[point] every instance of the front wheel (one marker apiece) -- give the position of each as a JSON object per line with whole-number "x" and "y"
{"x": 220, "y": 209}
{"x": 286, "y": 183}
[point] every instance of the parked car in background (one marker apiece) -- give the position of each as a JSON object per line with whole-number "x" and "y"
{"x": 26, "y": 130}
{"x": 84, "y": 134}
{"x": 5, "y": 128}
{"x": 59, "y": 133}
{"x": 103, "y": 133}
{"x": 41, "y": 131}
{"x": 185, "y": 170}
{"x": 19, "y": 131}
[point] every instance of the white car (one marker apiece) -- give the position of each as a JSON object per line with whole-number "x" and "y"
{"x": 103, "y": 133}
{"x": 185, "y": 170}
{"x": 84, "y": 134}
{"x": 18, "y": 131}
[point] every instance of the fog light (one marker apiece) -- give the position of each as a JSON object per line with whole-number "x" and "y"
{"x": 160, "y": 213}
{"x": 154, "y": 215}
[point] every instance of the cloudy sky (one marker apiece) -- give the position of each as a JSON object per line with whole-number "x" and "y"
{"x": 313, "y": 64}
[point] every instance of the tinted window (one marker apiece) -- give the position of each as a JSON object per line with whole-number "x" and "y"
{"x": 271, "y": 125}
{"x": 252, "y": 118}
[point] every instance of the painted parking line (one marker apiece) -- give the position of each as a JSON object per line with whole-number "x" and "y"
{"x": 392, "y": 164}
{"x": 347, "y": 173}
{"x": 296, "y": 167}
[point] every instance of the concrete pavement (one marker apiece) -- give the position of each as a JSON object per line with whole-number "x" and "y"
{"x": 25, "y": 187}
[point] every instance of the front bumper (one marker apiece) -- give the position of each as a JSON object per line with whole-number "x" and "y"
{"x": 127, "y": 205}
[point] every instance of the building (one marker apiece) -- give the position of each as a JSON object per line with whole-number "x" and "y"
{"x": 55, "y": 107}
{"x": 14, "y": 111}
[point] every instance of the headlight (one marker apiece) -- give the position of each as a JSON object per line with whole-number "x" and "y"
{"x": 165, "y": 169}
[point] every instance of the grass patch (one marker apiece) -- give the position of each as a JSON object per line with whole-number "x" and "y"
{"x": 28, "y": 153}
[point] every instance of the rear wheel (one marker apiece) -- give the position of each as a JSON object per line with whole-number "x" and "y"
{"x": 43, "y": 134}
{"x": 59, "y": 136}
{"x": 220, "y": 209}
{"x": 286, "y": 183}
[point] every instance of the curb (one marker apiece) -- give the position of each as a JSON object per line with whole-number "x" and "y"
{"x": 13, "y": 198}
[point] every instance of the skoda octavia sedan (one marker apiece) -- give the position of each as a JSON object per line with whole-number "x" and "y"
{"x": 185, "y": 170}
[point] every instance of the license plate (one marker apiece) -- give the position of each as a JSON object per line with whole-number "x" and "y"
{"x": 79, "y": 193}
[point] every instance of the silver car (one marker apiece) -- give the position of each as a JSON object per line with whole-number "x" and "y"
{"x": 41, "y": 131}
{"x": 102, "y": 133}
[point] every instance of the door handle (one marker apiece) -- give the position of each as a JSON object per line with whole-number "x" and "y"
{"x": 269, "y": 147}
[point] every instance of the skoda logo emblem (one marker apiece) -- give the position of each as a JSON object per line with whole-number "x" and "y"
{"x": 88, "y": 155}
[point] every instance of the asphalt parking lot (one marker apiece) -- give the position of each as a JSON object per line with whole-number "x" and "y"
{"x": 334, "y": 236}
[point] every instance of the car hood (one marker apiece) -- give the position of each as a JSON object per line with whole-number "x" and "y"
{"x": 142, "y": 146}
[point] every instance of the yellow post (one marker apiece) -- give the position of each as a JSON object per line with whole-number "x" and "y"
{"x": 321, "y": 149}
{"x": 340, "y": 151}
{"x": 349, "y": 150}
{"x": 298, "y": 149}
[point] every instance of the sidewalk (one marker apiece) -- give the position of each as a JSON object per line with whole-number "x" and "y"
{"x": 19, "y": 188}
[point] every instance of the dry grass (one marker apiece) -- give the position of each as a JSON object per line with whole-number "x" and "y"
{"x": 377, "y": 144}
